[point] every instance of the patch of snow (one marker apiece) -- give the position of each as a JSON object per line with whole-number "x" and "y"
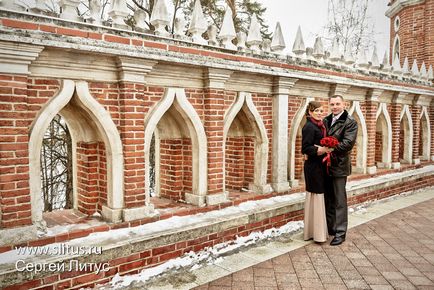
{"x": 208, "y": 255}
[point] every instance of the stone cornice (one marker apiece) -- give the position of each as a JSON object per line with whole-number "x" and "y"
{"x": 421, "y": 100}
{"x": 134, "y": 69}
{"x": 16, "y": 58}
{"x": 398, "y": 5}
{"x": 282, "y": 85}
{"x": 374, "y": 95}
{"x": 339, "y": 89}
{"x": 216, "y": 78}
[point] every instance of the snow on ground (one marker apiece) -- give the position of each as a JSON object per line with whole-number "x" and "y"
{"x": 206, "y": 256}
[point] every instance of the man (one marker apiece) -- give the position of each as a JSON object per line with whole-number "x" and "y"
{"x": 344, "y": 128}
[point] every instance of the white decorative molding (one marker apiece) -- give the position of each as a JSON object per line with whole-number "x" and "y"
{"x": 244, "y": 102}
{"x": 134, "y": 69}
{"x": 426, "y": 134}
{"x": 189, "y": 116}
{"x": 362, "y": 139}
{"x": 216, "y": 78}
{"x": 398, "y": 5}
{"x": 408, "y": 133}
{"x": 295, "y": 124}
{"x": 17, "y": 57}
{"x": 387, "y": 136}
{"x": 107, "y": 130}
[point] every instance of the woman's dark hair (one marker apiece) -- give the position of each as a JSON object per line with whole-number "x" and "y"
{"x": 312, "y": 106}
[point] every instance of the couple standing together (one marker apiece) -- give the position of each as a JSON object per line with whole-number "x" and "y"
{"x": 325, "y": 209}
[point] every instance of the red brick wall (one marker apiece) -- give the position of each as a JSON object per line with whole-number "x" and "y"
{"x": 415, "y": 113}
{"x": 397, "y": 147}
{"x": 378, "y": 146}
{"x": 416, "y": 33}
{"x": 431, "y": 120}
{"x": 239, "y": 162}
{"x": 371, "y": 111}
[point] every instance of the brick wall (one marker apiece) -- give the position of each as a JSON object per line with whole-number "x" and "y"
{"x": 91, "y": 176}
{"x": 415, "y": 113}
{"x": 239, "y": 162}
{"x": 379, "y": 146}
{"x": 397, "y": 144}
{"x": 371, "y": 109}
{"x": 416, "y": 33}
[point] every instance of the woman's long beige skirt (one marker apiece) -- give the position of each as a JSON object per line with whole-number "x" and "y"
{"x": 315, "y": 223}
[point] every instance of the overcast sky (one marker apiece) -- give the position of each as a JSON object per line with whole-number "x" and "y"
{"x": 312, "y": 16}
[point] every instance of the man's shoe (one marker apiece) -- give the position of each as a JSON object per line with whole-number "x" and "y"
{"x": 337, "y": 241}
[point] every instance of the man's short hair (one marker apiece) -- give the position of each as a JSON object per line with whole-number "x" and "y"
{"x": 336, "y": 96}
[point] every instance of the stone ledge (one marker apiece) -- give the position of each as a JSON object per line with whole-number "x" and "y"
{"x": 198, "y": 232}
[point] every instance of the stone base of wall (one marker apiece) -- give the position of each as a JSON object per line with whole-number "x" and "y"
{"x": 130, "y": 256}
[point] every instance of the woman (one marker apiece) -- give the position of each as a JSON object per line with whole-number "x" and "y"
{"x": 315, "y": 224}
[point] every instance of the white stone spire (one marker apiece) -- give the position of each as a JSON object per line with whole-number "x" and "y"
{"x": 179, "y": 27}
{"x": 118, "y": 13}
{"x": 160, "y": 17}
{"x": 318, "y": 48}
{"x": 241, "y": 40}
{"x": 298, "y": 48}
{"x": 430, "y": 73}
{"x": 335, "y": 54}
{"x": 198, "y": 24}
{"x": 278, "y": 42}
{"x": 423, "y": 72}
{"x": 375, "y": 63}
{"x": 69, "y": 9}
{"x": 396, "y": 65}
{"x": 386, "y": 64}
{"x": 415, "y": 69}
{"x": 140, "y": 18}
{"x": 362, "y": 60}
{"x": 212, "y": 35}
{"x": 227, "y": 32}
{"x": 348, "y": 57}
{"x": 266, "y": 45}
{"x": 254, "y": 38}
{"x": 406, "y": 67}
{"x": 95, "y": 12}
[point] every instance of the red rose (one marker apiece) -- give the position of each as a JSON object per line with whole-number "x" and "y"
{"x": 330, "y": 142}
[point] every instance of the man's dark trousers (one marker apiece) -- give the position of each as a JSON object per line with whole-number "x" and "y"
{"x": 336, "y": 205}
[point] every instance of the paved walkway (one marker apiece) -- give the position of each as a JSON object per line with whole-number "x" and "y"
{"x": 394, "y": 251}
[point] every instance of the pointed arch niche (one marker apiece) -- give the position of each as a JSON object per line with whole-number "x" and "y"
{"x": 97, "y": 153}
{"x": 405, "y": 136}
{"x": 245, "y": 147}
{"x": 181, "y": 141}
{"x": 425, "y": 135}
{"x": 361, "y": 146}
{"x": 383, "y": 138}
{"x": 295, "y": 157}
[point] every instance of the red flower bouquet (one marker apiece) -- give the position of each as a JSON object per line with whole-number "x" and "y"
{"x": 330, "y": 142}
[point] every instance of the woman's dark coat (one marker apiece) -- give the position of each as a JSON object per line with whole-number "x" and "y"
{"x": 345, "y": 130}
{"x": 313, "y": 166}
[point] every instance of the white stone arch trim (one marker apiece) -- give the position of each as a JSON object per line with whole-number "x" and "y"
{"x": 107, "y": 130}
{"x": 111, "y": 137}
{"x": 362, "y": 157}
{"x": 261, "y": 145}
{"x": 293, "y": 136}
{"x": 409, "y": 140}
{"x": 177, "y": 97}
{"x": 387, "y": 148}
{"x": 427, "y": 138}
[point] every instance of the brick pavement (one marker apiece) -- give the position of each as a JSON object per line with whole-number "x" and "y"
{"x": 395, "y": 251}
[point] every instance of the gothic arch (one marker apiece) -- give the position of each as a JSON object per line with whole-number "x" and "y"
{"x": 425, "y": 132}
{"x": 100, "y": 126}
{"x": 396, "y": 51}
{"x": 385, "y": 125}
{"x": 244, "y": 103}
{"x": 177, "y": 98}
{"x": 362, "y": 137}
{"x": 295, "y": 126}
{"x": 407, "y": 126}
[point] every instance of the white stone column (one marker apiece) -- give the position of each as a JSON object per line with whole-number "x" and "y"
{"x": 279, "y": 154}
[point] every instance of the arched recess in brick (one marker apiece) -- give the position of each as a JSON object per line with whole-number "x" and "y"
{"x": 383, "y": 138}
{"x": 175, "y": 113}
{"x": 362, "y": 138}
{"x": 405, "y": 135}
{"x": 243, "y": 121}
{"x": 425, "y": 135}
{"x": 296, "y": 126}
{"x": 90, "y": 126}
